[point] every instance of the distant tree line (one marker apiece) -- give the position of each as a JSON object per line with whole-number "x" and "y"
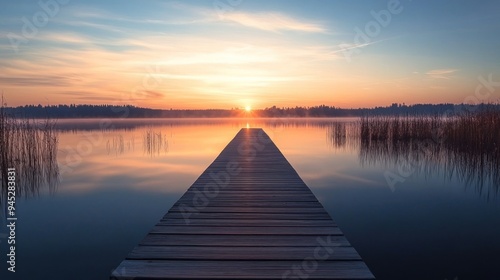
{"x": 110, "y": 111}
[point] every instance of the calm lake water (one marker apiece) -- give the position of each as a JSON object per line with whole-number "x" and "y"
{"x": 409, "y": 217}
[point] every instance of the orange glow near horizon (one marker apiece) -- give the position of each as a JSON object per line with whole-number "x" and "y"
{"x": 221, "y": 75}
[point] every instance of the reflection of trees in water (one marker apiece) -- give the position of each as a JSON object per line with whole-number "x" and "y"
{"x": 30, "y": 147}
{"x": 464, "y": 147}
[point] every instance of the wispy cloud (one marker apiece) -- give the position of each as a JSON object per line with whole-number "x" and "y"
{"x": 266, "y": 20}
{"x": 35, "y": 80}
{"x": 272, "y": 21}
{"x": 441, "y": 73}
{"x": 347, "y": 47}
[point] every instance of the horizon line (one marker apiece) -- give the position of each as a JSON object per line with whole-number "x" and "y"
{"x": 5, "y": 105}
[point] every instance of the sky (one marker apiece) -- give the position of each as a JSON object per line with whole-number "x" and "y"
{"x": 238, "y": 53}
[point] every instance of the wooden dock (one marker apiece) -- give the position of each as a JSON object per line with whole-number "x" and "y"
{"x": 248, "y": 216}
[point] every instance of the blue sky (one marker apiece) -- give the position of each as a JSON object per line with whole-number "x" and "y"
{"x": 236, "y": 53}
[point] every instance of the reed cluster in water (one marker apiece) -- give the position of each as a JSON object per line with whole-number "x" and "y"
{"x": 154, "y": 142}
{"x": 399, "y": 128}
{"x": 477, "y": 132}
{"x": 29, "y": 146}
{"x": 116, "y": 145}
{"x": 468, "y": 144}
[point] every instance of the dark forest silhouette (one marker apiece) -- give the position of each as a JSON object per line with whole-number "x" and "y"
{"x": 110, "y": 111}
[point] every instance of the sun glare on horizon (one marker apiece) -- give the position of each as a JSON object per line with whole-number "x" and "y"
{"x": 248, "y": 108}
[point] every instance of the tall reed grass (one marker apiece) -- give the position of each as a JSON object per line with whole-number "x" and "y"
{"x": 154, "y": 142}
{"x": 467, "y": 144}
{"x": 29, "y": 146}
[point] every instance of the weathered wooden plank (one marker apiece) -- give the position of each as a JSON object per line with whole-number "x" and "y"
{"x": 272, "y": 181}
{"x": 209, "y": 209}
{"x": 242, "y": 240}
{"x": 256, "y": 189}
{"x": 241, "y": 253}
{"x": 237, "y": 204}
{"x": 298, "y": 230}
{"x": 251, "y": 185}
{"x": 260, "y": 197}
{"x": 250, "y": 198}
{"x": 243, "y": 216}
{"x": 151, "y": 269}
{"x": 253, "y": 192}
{"x": 247, "y": 222}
